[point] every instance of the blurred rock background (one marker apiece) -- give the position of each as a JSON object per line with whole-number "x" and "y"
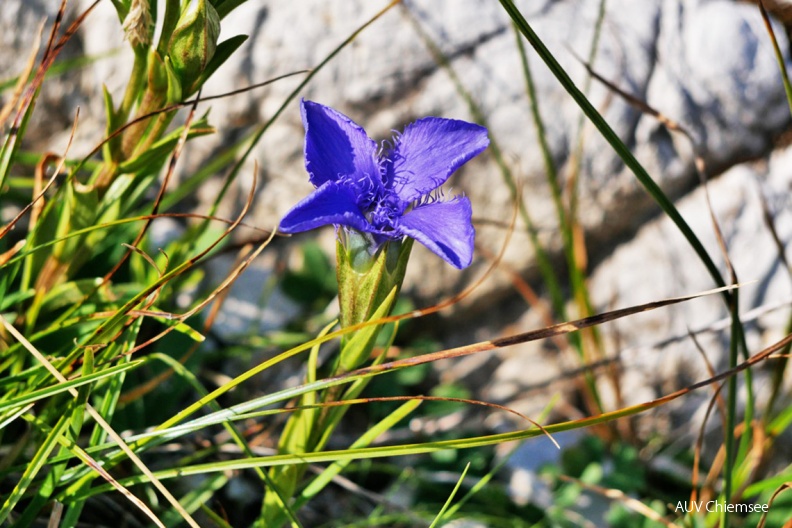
{"x": 707, "y": 64}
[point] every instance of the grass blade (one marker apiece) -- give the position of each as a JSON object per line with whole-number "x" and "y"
{"x": 447, "y": 504}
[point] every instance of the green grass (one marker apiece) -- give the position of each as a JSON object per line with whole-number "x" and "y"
{"x": 95, "y": 339}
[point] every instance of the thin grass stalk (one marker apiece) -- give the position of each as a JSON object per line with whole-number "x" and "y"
{"x": 546, "y": 267}
{"x": 34, "y": 466}
{"x": 643, "y": 177}
{"x": 567, "y": 218}
{"x": 100, "y": 420}
{"x": 778, "y": 54}
{"x": 447, "y": 504}
{"x": 657, "y": 194}
{"x": 429, "y": 447}
{"x": 169, "y": 430}
{"x": 573, "y": 238}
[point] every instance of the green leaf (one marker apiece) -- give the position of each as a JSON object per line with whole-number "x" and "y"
{"x": 326, "y": 476}
{"x": 171, "y": 18}
{"x": 80, "y": 204}
{"x": 153, "y": 157}
{"x": 111, "y": 149}
{"x": 224, "y": 7}
{"x": 122, "y": 8}
{"x": 447, "y": 504}
{"x": 36, "y": 464}
{"x": 59, "y": 388}
{"x": 357, "y": 349}
{"x": 175, "y": 91}
{"x": 224, "y": 50}
{"x": 12, "y": 142}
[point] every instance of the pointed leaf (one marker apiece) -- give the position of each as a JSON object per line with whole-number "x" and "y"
{"x": 224, "y": 50}
{"x": 111, "y": 149}
{"x": 154, "y": 156}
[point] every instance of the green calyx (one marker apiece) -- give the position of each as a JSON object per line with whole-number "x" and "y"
{"x": 367, "y": 281}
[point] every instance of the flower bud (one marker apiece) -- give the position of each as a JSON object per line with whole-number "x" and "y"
{"x": 194, "y": 41}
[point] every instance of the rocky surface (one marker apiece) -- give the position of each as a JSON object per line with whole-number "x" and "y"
{"x": 669, "y": 52}
{"x": 653, "y": 352}
{"x": 707, "y": 64}
{"x": 20, "y": 24}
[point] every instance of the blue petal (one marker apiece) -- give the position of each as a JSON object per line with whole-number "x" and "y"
{"x": 429, "y": 151}
{"x": 335, "y": 146}
{"x": 443, "y": 227}
{"x": 332, "y": 203}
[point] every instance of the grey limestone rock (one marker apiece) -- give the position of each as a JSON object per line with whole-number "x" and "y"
{"x": 707, "y": 64}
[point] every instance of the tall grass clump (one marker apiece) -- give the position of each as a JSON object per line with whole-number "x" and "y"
{"x": 103, "y": 331}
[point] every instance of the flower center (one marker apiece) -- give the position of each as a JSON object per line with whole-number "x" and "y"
{"x": 379, "y": 204}
{"x": 385, "y": 211}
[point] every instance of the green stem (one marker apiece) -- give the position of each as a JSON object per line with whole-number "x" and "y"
{"x": 137, "y": 80}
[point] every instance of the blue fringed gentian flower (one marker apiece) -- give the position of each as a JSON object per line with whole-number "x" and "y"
{"x": 380, "y": 199}
{"x": 390, "y": 192}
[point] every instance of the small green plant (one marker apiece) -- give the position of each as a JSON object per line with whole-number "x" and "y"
{"x": 102, "y": 330}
